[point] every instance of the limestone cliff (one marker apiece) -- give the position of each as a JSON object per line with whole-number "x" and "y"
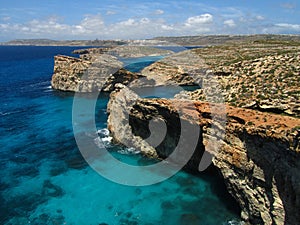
{"x": 269, "y": 83}
{"x": 258, "y": 157}
{"x": 183, "y": 68}
{"x": 98, "y": 68}
{"x": 99, "y": 72}
{"x": 67, "y": 72}
{"x": 125, "y": 51}
{"x": 262, "y": 75}
{"x": 259, "y": 75}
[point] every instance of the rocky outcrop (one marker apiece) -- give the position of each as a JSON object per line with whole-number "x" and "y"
{"x": 259, "y": 75}
{"x": 183, "y": 68}
{"x": 125, "y": 51}
{"x": 258, "y": 155}
{"x": 266, "y": 84}
{"x": 209, "y": 40}
{"x": 100, "y": 72}
{"x": 118, "y": 121}
{"x": 262, "y": 76}
{"x": 68, "y": 72}
{"x": 90, "y": 51}
{"x": 138, "y": 51}
{"x": 95, "y": 68}
{"x": 98, "y": 68}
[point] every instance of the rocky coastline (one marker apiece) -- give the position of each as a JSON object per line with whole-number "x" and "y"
{"x": 255, "y": 148}
{"x": 98, "y": 69}
{"x": 258, "y": 157}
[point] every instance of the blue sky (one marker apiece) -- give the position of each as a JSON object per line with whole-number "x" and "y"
{"x": 134, "y": 19}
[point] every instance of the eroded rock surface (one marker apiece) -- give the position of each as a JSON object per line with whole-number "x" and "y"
{"x": 119, "y": 106}
{"x": 98, "y": 68}
{"x": 137, "y": 51}
{"x": 124, "y": 51}
{"x": 258, "y": 156}
{"x": 183, "y": 68}
{"x": 99, "y": 72}
{"x": 258, "y": 75}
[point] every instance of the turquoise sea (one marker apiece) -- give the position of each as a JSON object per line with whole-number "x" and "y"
{"x": 45, "y": 180}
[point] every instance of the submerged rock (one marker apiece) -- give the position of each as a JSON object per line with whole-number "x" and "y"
{"x": 189, "y": 219}
{"x": 51, "y": 190}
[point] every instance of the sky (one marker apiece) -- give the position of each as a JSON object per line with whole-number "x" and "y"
{"x": 137, "y": 19}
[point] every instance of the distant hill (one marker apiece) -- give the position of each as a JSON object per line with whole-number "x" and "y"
{"x": 204, "y": 40}
{"x": 201, "y": 40}
{"x": 49, "y": 42}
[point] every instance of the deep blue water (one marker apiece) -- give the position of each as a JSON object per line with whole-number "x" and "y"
{"x": 45, "y": 180}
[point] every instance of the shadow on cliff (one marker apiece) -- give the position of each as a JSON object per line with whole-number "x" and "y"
{"x": 280, "y": 167}
{"x": 140, "y": 127}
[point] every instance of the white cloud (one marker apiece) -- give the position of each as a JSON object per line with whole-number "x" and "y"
{"x": 144, "y": 21}
{"x": 283, "y": 28}
{"x": 288, "y": 6}
{"x": 166, "y": 27}
{"x": 129, "y": 22}
{"x": 138, "y": 27}
{"x": 229, "y": 23}
{"x": 25, "y": 29}
{"x": 93, "y": 26}
{"x": 110, "y": 12}
{"x": 295, "y": 27}
{"x": 5, "y": 18}
{"x": 159, "y": 12}
{"x": 260, "y": 17}
{"x": 201, "y": 24}
{"x": 38, "y": 27}
{"x": 4, "y": 27}
{"x": 53, "y": 28}
{"x": 92, "y": 23}
{"x": 198, "y": 20}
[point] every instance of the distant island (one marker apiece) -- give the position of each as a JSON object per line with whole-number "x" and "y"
{"x": 49, "y": 42}
{"x": 201, "y": 40}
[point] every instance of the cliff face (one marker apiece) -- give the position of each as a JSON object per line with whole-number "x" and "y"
{"x": 259, "y": 160}
{"x": 258, "y": 157}
{"x": 98, "y": 68}
{"x": 257, "y": 153}
{"x": 99, "y": 72}
{"x": 265, "y": 84}
{"x": 183, "y": 68}
{"x": 259, "y": 75}
{"x": 67, "y": 72}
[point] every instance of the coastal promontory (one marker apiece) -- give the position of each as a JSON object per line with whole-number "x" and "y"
{"x": 98, "y": 69}
{"x": 245, "y": 102}
{"x": 257, "y": 155}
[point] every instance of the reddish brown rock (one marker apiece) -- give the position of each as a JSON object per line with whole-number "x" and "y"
{"x": 258, "y": 156}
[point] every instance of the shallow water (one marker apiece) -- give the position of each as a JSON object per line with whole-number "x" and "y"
{"x": 45, "y": 180}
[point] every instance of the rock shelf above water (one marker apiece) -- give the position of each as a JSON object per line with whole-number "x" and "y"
{"x": 257, "y": 81}
{"x": 97, "y": 69}
{"x": 258, "y": 156}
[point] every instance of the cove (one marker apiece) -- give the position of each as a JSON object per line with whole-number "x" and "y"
{"x": 45, "y": 180}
